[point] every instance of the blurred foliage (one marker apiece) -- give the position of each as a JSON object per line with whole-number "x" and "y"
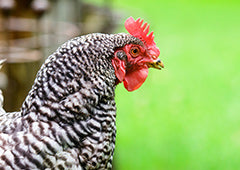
{"x": 186, "y": 116}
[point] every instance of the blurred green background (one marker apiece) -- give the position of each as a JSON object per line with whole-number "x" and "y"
{"x": 186, "y": 116}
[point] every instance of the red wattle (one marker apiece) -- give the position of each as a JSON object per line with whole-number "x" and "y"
{"x": 134, "y": 79}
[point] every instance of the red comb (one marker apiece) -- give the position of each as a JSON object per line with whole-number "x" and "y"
{"x": 140, "y": 30}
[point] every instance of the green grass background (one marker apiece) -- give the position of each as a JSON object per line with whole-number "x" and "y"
{"x": 186, "y": 116}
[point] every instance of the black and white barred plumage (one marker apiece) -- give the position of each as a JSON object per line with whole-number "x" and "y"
{"x": 68, "y": 118}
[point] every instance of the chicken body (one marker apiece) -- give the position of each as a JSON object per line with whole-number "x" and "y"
{"x": 68, "y": 118}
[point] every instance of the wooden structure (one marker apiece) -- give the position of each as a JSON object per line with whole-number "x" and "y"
{"x": 31, "y": 29}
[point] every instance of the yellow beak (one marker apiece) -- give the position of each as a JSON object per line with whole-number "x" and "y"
{"x": 156, "y": 64}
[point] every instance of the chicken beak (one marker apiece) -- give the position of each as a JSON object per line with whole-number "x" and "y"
{"x": 156, "y": 64}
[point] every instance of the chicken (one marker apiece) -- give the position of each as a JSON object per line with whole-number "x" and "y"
{"x": 67, "y": 121}
{"x": 2, "y": 111}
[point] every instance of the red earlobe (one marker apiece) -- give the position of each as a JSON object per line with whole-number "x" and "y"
{"x": 120, "y": 68}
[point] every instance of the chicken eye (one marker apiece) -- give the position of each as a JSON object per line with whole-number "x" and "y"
{"x": 134, "y": 51}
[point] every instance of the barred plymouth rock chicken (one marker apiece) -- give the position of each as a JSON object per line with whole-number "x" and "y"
{"x": 67, "y": 121}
